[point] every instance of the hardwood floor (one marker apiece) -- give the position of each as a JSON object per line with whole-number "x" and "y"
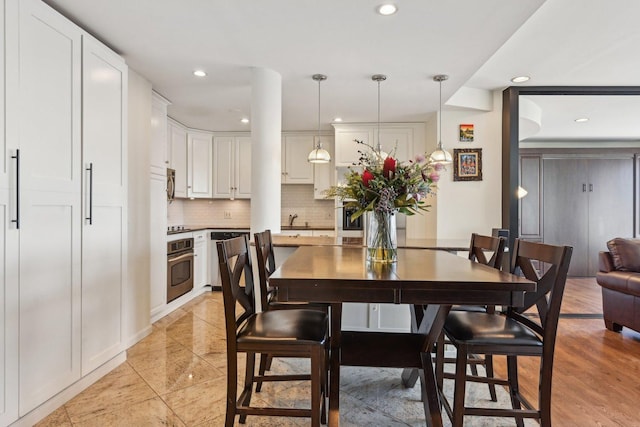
{"x": 596, "y": 371}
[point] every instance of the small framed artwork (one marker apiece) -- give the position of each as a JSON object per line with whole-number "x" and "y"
{"x": 467, "y": 164}
{"x": 466, "y": 132}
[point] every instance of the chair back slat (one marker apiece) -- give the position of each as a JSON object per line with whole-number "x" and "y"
{"x": 234, "y": 259}
{"x": 547, "y": 298}
{"x": 266, "y": 266}
{"x": 481, "y": 245}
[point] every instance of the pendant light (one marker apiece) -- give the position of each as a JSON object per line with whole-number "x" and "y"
{"x": 441, "y": 155}
{"x": 319, "y": 154}
{"x": 379, "y": 78}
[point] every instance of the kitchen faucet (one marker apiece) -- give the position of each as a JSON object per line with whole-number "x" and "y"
{"x": 291, "y": 219}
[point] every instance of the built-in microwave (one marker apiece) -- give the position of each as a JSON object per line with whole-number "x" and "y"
{"x": 347, "y": 223}
{"x": 171, "y": 184}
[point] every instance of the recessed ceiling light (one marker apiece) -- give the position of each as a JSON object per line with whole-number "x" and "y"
{"x": 387, "y": 9}
{"x": 337, "y": 119}
{"x": 199, "y": 73}
{"x": 244, "y": 120}
{"x": 520, "y": 79}
{"x": 581, "y": 119}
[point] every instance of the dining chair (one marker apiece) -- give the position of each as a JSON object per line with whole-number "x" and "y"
{"x": 292, "y": 333}
{"x": 269, "y": 295}
{"x": 488, "y": 250}
{"x": 529, "y": 330}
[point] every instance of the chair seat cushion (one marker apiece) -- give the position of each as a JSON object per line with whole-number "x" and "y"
{"x": 285, "y": 326}
{"x": 475, "y": 328}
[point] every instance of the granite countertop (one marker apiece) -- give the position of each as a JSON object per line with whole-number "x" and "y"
{"x": 199, "y": 227}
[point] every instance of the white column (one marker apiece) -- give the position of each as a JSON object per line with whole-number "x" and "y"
{"x": 266, "y": 129}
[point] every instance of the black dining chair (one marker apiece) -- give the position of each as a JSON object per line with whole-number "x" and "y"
{"x": 487, "y": 250}
{"x": 289, "y": 333}
{"x": 269, "y": 295}
{"x": 529, "y": 330}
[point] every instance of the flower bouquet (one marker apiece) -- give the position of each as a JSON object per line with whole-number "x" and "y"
{"x": 384, "y": 186}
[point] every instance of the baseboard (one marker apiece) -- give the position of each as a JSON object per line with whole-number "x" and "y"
{"x": 138, "y": 337}
{"x": 69, "y": 393}
{"x": 177, "y": 303}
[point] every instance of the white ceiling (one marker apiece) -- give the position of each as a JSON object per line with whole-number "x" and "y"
{"x": 480, "y": 44}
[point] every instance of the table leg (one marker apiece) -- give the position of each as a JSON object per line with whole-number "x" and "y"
{"x": 410, "y": 375}
{"x": 334, "y": 365}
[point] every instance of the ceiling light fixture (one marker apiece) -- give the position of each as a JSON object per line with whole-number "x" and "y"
{"x": 381, "y": 154}
{"x": 387, "y": 9}
{"x": 319, "y": 154}
{"x": 581, "y": 119}
{"x": 244, "y": 120}
{"x": 199, "y": 73}
{"x": 337, "y": 119}
{"x": 441, "y": 155}
{"x": 520, "y": 79}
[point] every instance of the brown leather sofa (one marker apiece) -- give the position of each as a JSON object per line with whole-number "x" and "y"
{"x": 619, "y": 277}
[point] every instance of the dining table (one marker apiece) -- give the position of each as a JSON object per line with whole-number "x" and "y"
{"x": 429, "y": 281}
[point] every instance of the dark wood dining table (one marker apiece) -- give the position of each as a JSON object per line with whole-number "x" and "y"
{"x": 430, "y": 281}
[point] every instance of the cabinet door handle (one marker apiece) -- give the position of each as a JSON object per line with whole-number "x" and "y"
{"x": 590, "y": 188}
{"x": 17, "y": 220}
{"x": 584, "y": 188}
{"x": 90, "y": 170}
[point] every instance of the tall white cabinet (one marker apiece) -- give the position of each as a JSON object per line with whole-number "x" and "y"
{"x": 232, "y": 167}
{"x": 58, "y": 131}
{"x": 200, "y": 165}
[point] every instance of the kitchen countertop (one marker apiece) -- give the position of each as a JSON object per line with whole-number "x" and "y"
{"x": 192, "y": 228}
{"x": 295, "y": 241}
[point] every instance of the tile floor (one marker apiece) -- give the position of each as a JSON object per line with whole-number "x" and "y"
{"x": 176, "y": 376}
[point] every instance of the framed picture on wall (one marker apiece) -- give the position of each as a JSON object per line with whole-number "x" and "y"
{"x": 467, "y": 164}
{"x": 466, "y": 132}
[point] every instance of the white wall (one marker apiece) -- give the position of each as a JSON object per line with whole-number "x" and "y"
{"x": 465, "y": 207}
{"x": 136, "y": 298}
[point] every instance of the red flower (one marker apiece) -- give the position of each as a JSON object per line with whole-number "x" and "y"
{"x": 366, "y": 177}
{"x": 389, "y": 167}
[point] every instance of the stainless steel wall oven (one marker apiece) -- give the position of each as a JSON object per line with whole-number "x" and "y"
{"x": 179, "y": 267}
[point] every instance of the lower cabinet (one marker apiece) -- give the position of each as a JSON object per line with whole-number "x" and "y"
{"x": 376, "y": 317}
{"x": 201, "y": 261}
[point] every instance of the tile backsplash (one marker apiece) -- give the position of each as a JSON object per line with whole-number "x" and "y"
{"x": 296, "y": 199}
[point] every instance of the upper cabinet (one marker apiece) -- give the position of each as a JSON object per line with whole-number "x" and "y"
{"x": 324, "y": 174}
{"x": 295, "y": 167}
{"x": 177, "y": 148}
{"x": 404, "y": 138}
{"x": 232, "y": 170}
{"x": 159, "y": 153}
{"x": 200, "y": 165}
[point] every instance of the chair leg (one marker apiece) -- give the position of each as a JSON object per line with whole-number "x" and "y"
{"x": 248, "y": 382}
{"x": 440, "y": 362}
{"x": 262, "y": 369}
{"x": 545, "y": 394}
{"x": 232, "y": 389}
{"x": 488, "y": 364}
{"x": 512, "y": 372}
{"x": 459, "y": 388}
{"x": 317, "y": 354}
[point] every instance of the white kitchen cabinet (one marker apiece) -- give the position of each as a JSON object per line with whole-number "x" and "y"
{"x": 403, "y": 137}
{"x": 62, "y": 129}
{"x": 177, "y": 147}
{"x": 201, "y": 262}
{"x": 158, "y": 244}
{"x": 104, "y": 234}
{"x": 324, "y": 174}
{"x": 159, "y": 150}
{"x": 376, "y": 317}
{"x": 199, "y": 165}
{"x": 232, "y": 172}
{"x": 295, "y": 167}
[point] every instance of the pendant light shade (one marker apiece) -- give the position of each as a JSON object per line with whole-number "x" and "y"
{"x": 440, "y": 155}
{"x": 381, "y": 154}
{"x": 319, "y": 154}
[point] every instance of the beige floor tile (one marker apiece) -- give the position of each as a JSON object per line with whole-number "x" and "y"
{"x": 155, "y": 341}
{"x": 110, "y": 393}
{"x": 199, "y": 403}
{"x": 172, "y": 354}
{"x": 167, "y": 378}
{"x": 58, "y": 418}
{"x": 149, "y": 413}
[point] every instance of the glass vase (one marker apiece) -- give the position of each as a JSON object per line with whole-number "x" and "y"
{"x": 382, "y": 239}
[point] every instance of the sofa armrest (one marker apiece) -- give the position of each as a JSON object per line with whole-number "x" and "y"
{"x": 605, "y": 262}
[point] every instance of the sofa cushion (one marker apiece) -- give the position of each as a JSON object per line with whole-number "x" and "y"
{"x": 625, "y": 254}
